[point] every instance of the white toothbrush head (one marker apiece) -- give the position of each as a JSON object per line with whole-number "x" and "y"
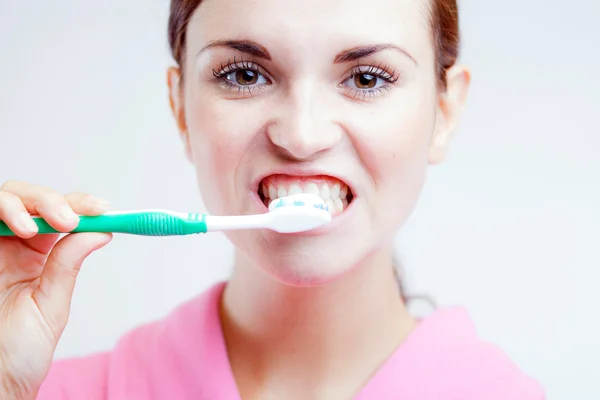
{"x": 291, "y": 214}
{"x": 298, "y": 213}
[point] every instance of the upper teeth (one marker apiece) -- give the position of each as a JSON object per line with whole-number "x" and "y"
{"x": 334, "y": 194}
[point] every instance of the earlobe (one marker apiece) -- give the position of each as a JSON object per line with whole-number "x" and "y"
{"x": 450, "y": 107}
{"x": 177, "y": 107}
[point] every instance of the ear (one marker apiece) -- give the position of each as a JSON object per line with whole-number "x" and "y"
{"x": 450, "y": 107}
{"x": 176, "y": 100}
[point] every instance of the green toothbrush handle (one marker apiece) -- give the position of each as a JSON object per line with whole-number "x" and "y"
{"x": 150, "y": 223}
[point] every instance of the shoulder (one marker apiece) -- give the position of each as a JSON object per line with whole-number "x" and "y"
{"x": 482, "y": 367}
{"x": 144, "y": 353}
{"x": 447, "y": 354}
{"x": 72, "y": 378}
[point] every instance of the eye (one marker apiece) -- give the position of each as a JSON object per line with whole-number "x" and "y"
{"x": 245, "y": 77}
{"x": 365, "y": 81}
{"x": 369, "y": 80}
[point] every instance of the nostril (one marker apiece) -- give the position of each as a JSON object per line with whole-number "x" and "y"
{"x": 303, "y": 138}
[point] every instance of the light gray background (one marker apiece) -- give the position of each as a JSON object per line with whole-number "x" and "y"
{"x": 509, "y": 226}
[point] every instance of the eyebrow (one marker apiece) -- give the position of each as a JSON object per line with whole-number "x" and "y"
{"x": 245, "y": 46}
{"x": 357, "y": 53}
{"x": 352, "y": 54}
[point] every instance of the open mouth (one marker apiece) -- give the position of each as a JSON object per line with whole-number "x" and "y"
{"x": 336, "y": 194}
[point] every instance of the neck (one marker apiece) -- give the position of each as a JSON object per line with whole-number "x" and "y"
{"x": 330, "y": 336}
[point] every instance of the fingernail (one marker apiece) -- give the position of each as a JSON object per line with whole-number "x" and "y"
{"x": 101, "y": 203}
{"x": 27, "y": 223}
{"x": 68, "y": 214}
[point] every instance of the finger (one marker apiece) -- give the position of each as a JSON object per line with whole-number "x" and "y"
{"x": 54, "y": 293}
{"x": 49, "y": 204}
{"x": 82, "y": 204}
{"x": 42, "y": 243}
{"x": 86, "y": 204}
{"x": 14, "y": 214}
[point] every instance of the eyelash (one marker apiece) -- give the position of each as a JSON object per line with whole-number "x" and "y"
{"x": 380, "y": 72}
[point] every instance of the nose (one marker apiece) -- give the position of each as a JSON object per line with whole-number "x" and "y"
{"x": 304, "y": 125}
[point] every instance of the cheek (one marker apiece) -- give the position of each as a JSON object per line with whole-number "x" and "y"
{"x": 220, "y": 136}
{"x": 408, "y": 142}
{"x": 394, "y": 144}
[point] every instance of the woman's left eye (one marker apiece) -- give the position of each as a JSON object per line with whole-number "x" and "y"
{"x": 245, "y": 77}
{"x": 369, "y": 80}
{"x": 365, "y": 81}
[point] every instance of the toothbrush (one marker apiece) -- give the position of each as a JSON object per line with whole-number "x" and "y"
{"x": 291, "y": 214}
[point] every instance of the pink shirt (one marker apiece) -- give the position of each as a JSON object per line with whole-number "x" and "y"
{"x": 184, "y": 357}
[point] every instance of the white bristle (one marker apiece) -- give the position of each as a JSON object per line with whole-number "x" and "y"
{"x": 298, "y": 200}
{"x": 298, "y": 213}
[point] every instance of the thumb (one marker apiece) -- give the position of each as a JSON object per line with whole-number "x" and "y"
{"x": 57, "y": 282}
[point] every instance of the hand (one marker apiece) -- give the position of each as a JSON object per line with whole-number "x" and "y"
{"x": 37, "y": 278}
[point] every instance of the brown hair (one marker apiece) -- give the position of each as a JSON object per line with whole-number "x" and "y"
{"x": 443, "y": 17}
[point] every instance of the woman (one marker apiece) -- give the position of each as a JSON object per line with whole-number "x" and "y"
{"x": 266, "y": 107}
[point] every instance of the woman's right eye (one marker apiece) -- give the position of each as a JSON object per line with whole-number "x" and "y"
{"x": 245, "y": 77}
{"x": 241, "y": 75}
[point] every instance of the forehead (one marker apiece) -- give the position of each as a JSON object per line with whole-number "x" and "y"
{"x": 313, "y": 25}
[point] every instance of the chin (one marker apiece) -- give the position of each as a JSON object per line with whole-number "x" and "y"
{"x": 300, "y": 261}
{"x": 306, "y": 271}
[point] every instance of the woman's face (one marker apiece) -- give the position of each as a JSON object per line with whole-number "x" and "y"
{"x": 336, "y": 98}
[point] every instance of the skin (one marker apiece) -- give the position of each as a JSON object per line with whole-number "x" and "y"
{"x": 310, "y": 315}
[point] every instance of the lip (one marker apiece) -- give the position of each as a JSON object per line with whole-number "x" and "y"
{"x": 302, "y": 172}
{"x": 296, "y": 171}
